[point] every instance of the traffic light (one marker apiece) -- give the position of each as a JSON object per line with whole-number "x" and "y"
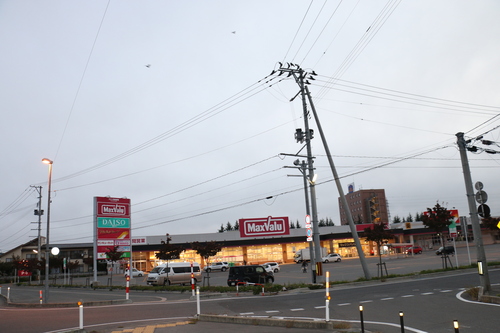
{"x": 374, "y": 210}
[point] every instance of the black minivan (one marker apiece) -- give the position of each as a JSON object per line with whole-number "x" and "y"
{"x": 445, "y": 250}
{"x": 249, "y": 273}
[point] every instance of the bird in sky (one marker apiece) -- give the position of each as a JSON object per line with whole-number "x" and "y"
{"x": 234, "y": 32}
{"x": 148, "y": 65}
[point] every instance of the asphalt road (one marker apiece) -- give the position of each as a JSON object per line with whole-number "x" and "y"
{"x": 429, "y": 303}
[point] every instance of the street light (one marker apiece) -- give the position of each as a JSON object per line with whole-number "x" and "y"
{"x": 47, "y": 247}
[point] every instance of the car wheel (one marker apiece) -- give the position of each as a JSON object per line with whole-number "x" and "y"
{"x": 276, "y": 270}
{"x": 140, "y": 275}
{"x": 223, "y": 269}
{"x": 269, "y": 280}
{"x": 209, "y": 270}
{"x": 419, "y": 252}
{"x": 166, "y": 282}
{"x": 326, "y": 260}
{"x": 338, "y": 260}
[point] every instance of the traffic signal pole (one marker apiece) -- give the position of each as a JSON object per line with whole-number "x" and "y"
{"x": 484, "y": 276}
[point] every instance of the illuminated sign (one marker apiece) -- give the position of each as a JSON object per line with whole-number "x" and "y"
{"x": 112, "y": 225}
{"x": 266, "y": 226}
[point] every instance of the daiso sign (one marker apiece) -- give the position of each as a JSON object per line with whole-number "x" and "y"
{"x": 265, "y": 226}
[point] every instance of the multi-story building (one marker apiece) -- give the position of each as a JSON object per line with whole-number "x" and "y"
{"x": 366, "y": 206}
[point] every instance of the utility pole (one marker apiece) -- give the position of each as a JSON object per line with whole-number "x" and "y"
{"x": 302, "y": 79}
{"x": 39, "y": 212}
{"x": 343, "y": 200}
{"x": 484, "y": 276}
{"x": 303, "y": 170}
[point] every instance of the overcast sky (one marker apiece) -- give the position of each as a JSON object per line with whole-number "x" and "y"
{"x": 170, "y": 104}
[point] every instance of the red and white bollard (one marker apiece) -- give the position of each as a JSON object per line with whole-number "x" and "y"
{"x": 192, "y": 279}
{"x": 41, "y": 297}
{"x": 127, "y": 287}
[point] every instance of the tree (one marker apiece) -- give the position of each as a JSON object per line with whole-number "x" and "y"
{"x": 438, "y": 219}
{"x": 229, "y": 227}
{"x": 409, "y": 218}
{"x": 168, "y": 251}
{"x": 491, "y": 223}
{"x": 236, "y": 225}
{"x": 113, "y": 255}
{"x": 297, "y": 225}
{"x": 322, "y": 223}
{"x": 418, "y": 216}
{"x": 292, "y": 225}
{"x": 396, "y": 219}
{"x": 221, "y": 228}
{"x": 207, "y": 250}
{"x": 379, "y": 235}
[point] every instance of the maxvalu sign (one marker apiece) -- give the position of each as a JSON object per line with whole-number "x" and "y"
{"x": 264, "y": 226}
{"x": 112, "y": 225}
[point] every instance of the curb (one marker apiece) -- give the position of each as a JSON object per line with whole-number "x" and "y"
{"x": 288, "y": 323}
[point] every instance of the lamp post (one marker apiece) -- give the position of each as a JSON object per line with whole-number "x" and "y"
{"x": 47, "y": 247}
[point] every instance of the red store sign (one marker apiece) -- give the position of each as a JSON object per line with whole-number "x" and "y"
{"x": 265, "y": 226}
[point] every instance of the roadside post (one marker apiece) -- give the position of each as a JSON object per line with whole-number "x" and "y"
{"x": 361, "y": 319}
{"x": 198, "y": 301}
{"x": 456, "y": 326}
{"x": 127, "y": 288}
{"x": 327, "y": 296}
{"x": 402, "y": 321}
{"x": 192, "y": 279}
{"x": 80, "y": 314}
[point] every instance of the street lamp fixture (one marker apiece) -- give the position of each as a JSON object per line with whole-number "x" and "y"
{"x": 47, "y": 243}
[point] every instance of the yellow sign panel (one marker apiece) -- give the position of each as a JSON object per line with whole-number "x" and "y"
{"x": 498, "y": 225}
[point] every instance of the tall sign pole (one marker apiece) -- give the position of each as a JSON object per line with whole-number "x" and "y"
{"x": 484, "y": 277}
{"x": 111, "y": 228}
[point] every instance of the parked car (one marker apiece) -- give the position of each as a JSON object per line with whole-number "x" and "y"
{"x": 135, "y": 272}
{"x": 174, "y": 273}
{"x": 249, "y": 274}
{"x": 274, "y": 265}
{"x": 217, "y": 266}
{"x": 414, "y": 250}
{"x": 445, "y": 250}
{"x": 332, "y": 257}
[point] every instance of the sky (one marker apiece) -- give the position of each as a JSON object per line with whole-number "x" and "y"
{"x": 172, "y": 104}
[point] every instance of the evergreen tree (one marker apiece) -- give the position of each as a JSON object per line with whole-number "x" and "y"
{"x": 409, "y": 218}
{"x": 396, "y": 219}
{"x": 297, "y": 225}
{"x": 221, "y": 227}
{"x": 437, "y": 218}
{"x": 236, "y": 225}
{"x": 322, "y": 223}
{"x": 229, "y": 227}
{"x": 292, "y": 225}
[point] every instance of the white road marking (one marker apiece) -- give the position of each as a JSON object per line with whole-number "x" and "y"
{"x": 272, "y": 311}
{"x": 429, "y": 293}
{"x": 405, "y": 296}
{"x": 298, "y": 309}
{"x": 387, "y": 298}
{"x": 246, "y": 313}
{"x": 368, "y": 301}
{"x": 343, "y": 304}
{"x": 320, "y": 307}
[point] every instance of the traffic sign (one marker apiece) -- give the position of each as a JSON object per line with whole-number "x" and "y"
{"x": 483, "y": 210}
{"x": 478, "y": 186}
{"x": 481, "y": 197}
{"x": 498, "y": 225}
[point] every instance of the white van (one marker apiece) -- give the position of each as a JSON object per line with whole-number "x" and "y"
{"x": 174, "y": 273}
